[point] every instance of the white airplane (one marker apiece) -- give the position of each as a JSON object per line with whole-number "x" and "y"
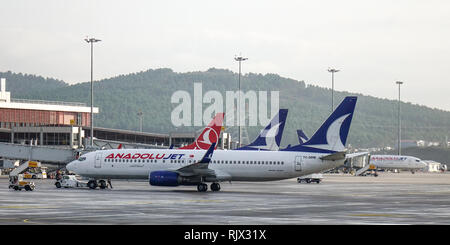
{"x": 381, "y": 161}
{"x": 409, "y": 163}
{"x": 173, "y": 167}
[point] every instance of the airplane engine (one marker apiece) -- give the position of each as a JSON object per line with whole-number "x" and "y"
{"x": 164, "y": 178}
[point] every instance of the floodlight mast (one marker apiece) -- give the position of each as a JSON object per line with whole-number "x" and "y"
{"x": 92, "y": 41}
{"x": 332, "y": 70}
{"x": 399, "y": 126}
{"x": 239, "y": 59}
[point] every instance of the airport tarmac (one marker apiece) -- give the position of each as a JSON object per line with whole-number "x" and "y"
{"x": 404, "y": 198}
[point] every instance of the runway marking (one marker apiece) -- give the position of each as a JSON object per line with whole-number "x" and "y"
{"x": 8, "y": 219}
{"x": 381, "y": 215}
{"x": 204, "y": 201}
{"x": 175, "y": 202}
{"x": 28, "y": 207}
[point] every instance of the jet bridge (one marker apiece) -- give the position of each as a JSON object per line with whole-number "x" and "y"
{"x": 58, "y": 155}
{"x": 37, "y": 153}
{"x": 62, "y": 156}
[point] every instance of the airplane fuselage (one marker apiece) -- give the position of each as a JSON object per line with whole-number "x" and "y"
{"x": 397, "y": 162}
{"x": 227, "y": 165}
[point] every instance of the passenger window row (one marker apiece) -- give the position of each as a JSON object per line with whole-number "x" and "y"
{"x": 133, "y": 160}
{"x": 146, "y": 161}
{"x": 248, "y": 162}
{"x": 192, "y": 161}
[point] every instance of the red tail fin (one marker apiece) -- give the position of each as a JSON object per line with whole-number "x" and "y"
{"x": 210, "y": 135}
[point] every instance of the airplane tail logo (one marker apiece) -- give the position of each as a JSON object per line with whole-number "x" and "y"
{"x": 209, "y": 135}
{"x": 270, "y": 137}
{"x": 332, "y": 135}
{"x": 302, "y": 138}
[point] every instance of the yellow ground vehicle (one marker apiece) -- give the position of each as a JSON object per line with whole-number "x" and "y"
{"x": 16, "y": 178}
{"x": 17, "y": 183}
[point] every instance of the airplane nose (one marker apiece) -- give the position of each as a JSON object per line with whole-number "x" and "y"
{"x": 71, "y": 166}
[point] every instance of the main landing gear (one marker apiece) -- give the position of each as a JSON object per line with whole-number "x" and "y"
{"x": 215, "y": 187}
{"x": 202, "y": 187}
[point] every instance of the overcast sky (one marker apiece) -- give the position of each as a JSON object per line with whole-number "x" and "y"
{"x": 373, "y": 43}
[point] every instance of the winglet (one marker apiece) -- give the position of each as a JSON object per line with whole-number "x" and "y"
{"x": 208, "y": 155}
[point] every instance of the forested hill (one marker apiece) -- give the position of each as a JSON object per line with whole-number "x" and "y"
{"x": 121, "y": 98}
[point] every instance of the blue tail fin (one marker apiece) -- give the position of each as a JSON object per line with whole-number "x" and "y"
{"x": 302, "y": 138}
{"x": 332, "y": 135}
{"x": 270, "y": 136}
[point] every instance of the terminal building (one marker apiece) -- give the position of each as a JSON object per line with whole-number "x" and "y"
{"x": 67, "y": 125}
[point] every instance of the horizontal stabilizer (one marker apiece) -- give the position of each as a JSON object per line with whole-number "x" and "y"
{"x": 334, "y": 156}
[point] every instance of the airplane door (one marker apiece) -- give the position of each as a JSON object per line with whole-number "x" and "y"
{"x": 298, "y": 163}
{"x": 98, "y": 160}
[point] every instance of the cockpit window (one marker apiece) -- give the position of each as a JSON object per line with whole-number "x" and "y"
{"x": 417, "y": 160}
{"x": 81, "y": 159}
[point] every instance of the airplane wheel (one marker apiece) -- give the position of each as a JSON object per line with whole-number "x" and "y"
{"x": 102, "y": 184}
{"x": 215, "y": 187}
{"x": 202, "y": 187}
{"x": 92, "y": 184}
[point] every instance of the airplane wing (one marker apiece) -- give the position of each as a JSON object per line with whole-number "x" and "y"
{"x": 200, "y": 167}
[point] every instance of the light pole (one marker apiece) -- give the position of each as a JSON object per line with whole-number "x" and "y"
{"x": 140, "y": 120}
{"x": 92, "y": 41}
{"x": 239, "y": 59}
{"x": 332, "y": 87}
{"x": 399, "y": 126}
